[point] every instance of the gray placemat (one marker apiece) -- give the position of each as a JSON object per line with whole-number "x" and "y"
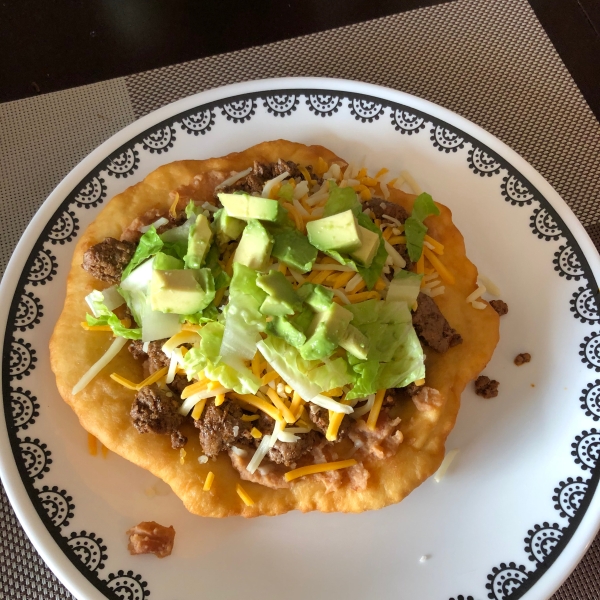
{"x": 489, "y": 61}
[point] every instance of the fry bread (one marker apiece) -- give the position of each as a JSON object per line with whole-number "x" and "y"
{"x": 103, "y": 406}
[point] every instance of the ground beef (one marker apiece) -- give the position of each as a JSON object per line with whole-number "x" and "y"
{"x": 286, "y": 453}
{"x": 522, "y": 358}
{"x": 156, "y": 358}
{"x": 151, "y": 538}
{"x": 380, "y": 207}
{"x": 222, "y": 426}
{"x": 394, "y": 394}
{"x": 486, "y": 387}
{"x": 431, "y": 325}
{"x": 155, "y": 410}
{"x": 178, "y": 384}
{"x": 320, "y": 417}
{"x": 499, "y": 306}
{"x": 108, "y": 259}
{"x": 254, "y": 182}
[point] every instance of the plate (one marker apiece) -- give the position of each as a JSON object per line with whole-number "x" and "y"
{"x": 519, "y": 504}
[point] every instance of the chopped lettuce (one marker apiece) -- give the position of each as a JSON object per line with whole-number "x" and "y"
{"x": 107, "y": 317}
{"x": 332, "y": 374}
{"x": 340, "y": 200}
{"x": 286, "y": 192}
{"x": 149, "y": 244}
{"x": 205, "y": 316}
{"x": 212, "y": 262}
{"x": 414, "y": 228}
{"x": 192, "y": 210}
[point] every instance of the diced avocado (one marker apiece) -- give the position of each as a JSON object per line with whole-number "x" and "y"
{"x": 283, "y": 328}
{"x": 303, "y": 319}
{"x": 246, "y": 207}
{"x": 369, "y": 244}
{"x": 180, "y": 291}
{"x": 405, "y": 286}
{"x": 355, "y": 342}
{"x": 198, "y": 242}
{"x": 319, "y": 298}
{"x": 294, "y": 249}
{"x": 338, "y": 232}
{"x": 165, "y": 262}
{"x": 255, "y": 246}
{"x": 227, "y": 228}
{"x": 326, "y": 331}
{"x": 281, "y": 299}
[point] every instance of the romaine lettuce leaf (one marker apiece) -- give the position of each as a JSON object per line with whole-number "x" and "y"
{"x": 149, "y": 244}
{"x": 107, "y": 317}
{"x": 414, "y": 228}
{"x": 340, "y": 200}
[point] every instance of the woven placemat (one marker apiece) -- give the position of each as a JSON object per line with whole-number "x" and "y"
{"x": 489, "y": 61}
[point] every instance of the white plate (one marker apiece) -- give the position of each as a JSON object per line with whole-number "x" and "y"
{"x": 518, "y": 507}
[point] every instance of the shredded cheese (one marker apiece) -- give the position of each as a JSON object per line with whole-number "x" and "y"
{"x": 491, "y": 287}
{"x": 198, "y": 409}
{"x": 320, "y": 468}
{"x": 260, "y": 404}
{"x": 437, "y": 264}
{"x": 219, "y": 399}
{"x": 354, "y": 298}
{"x": 329, "y": 404}
{"x": 194, "y": 388}
{"x": 296, "y": 404}
{"x": 208, "y": 481}
{"x": 339, "y": 294}
{"x": 421, "y": 264}
{"x": 278, "y": 402}
{"x": 342, "y": 279}
{"x": 476, "y": 294}
{"x": 353, "y": 283}
{"x": 416, "y": 188}
{"x": 235, "y": 177}
{"x": 331, "y": 267}
{"x": 261, "y": 452}
{"x": 335, "y": 420}
{"x": 435, "y": 245}
{"x": 384, "y": 190}
{"x": 271, "y": 376}
{"x": 439, "y": 474}
{"x": 478, "y": 305}
{"x": 173, "y": 208}
{"x": 249, "y": 418}
{"x": 190, "y": 402}
{"x": 374, "y": 414}
{"x": 243, "y": 494}
{"x": 397, "y": 260}
{"x": 102, "y": 362}
{"x": 255, "y": 433}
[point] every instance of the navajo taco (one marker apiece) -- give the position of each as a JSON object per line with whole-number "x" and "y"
{"x": 272, "y": 330}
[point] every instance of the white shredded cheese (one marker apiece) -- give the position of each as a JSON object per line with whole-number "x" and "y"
{"x": 235, "y": 177}
{"x": 236, "y": 430}
{"x": 190, "y": 402}
{"x": 397, "y": 260}
{"x": 399, "y": 181}
{"x": 353, "y": 283}
{"x": 491, "y": 287}
{"x": 261, "y": 452}
{"x": 334, "y": 172}
{"x": 439, "y": 474}
{"x": 269, "y": 185}
{"x": 329, "y": 404}
{"x": 392, "y": 219}
{"x": 476, "y": 294}
{"x": 296, "y": 275}
{"x": 202, "y": 459}
{"x": 349, "y": 171}
{"x": 279, "y": 427}
{"x": 189, "y": 337}
{"x": 301, "y": 190}
{"x": 424, "y": 558}
{"x": 173, "y": 362}
{"x": 416, "y": 188}
{"x": 158, "y": 223}
{"x": 210, "y": 207}
{"x": 287, "y": 437}
{"x": 365, "y": 408}
{"x": 341, "y": 296}
{"x": 146, "y": 347}
{"x": 239, "y": 451}
{"x": 384, "y": 190}
{"x": 428, "y": 245}
{"x": 303, "y": 212}
{"x": 296, "y": 430}
{"x": 438, "y": 291}
{"x": 112, "y": 351}
{"x": 320, "y": 194}
{"x": 478, "y": 305}
{"x": 318, "y": 212}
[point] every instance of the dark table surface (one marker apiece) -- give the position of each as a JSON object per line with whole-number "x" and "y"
{"x": 58, "y": 44}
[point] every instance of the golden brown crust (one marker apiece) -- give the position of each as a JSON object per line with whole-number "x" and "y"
{"x": 103, "y": 406}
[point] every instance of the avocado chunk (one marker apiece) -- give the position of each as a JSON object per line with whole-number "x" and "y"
{"x": 246, "y": 207}
{"x": 181, "y": 291}
{"x": 319, "y": 298}
{"x": 303, "y": 319}
{"x": 282, "y": 327}
{"x": 198, "y": 242}
{"x": 281, "y": 298}
{"x": 227, "y": 228}
{"x": 293, "y": 248}
{"x": 255, "y": 246}
{"x": 369, "y": 244}
{"x": 338, "y": 232}
{"x": 355, "y": 342}
{"x": 166, "y": 262}
{"x": 326, "y": 331}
